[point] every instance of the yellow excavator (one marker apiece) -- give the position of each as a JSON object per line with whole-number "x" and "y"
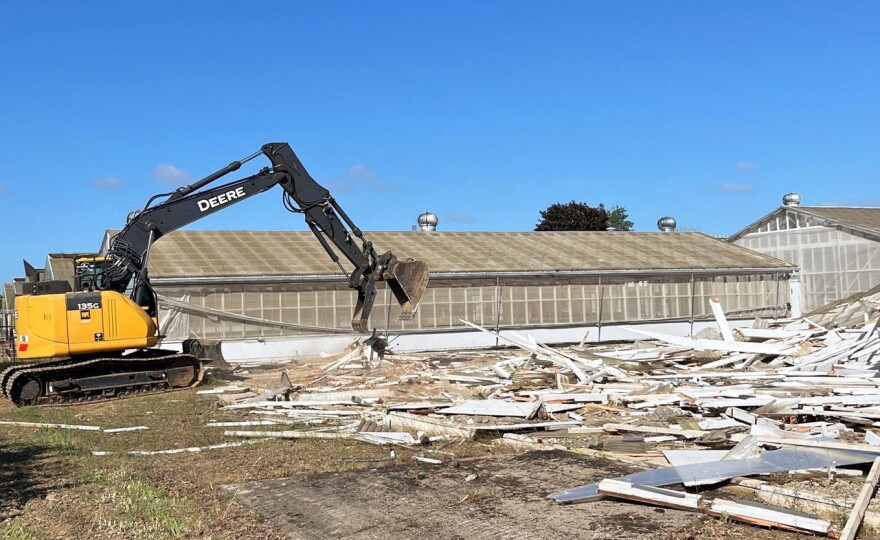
{"x": 98, "y": 339}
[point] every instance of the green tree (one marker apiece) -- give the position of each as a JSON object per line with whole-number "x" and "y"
{"x": 617, "y": 218}
{"x": 573, "y": 216}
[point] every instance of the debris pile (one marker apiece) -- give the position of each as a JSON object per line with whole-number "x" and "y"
{"x": 797, "y": 398}
{"x": 698, "y": 411}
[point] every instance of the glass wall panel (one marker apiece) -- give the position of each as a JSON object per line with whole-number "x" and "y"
{"x": 279, "y": 309}
{"x": 833, "y": 264}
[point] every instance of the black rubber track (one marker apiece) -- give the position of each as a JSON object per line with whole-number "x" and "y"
{"x": 12, "y": 379}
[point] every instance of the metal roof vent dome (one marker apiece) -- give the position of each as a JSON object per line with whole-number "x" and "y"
{"x": 666, "y": 224}
{"x": 791, "y": 199}
{"x": 428, "y": 221}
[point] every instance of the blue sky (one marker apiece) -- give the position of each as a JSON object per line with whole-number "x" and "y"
{"x": 483, "y": 112}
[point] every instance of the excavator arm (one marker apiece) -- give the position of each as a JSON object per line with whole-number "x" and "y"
{"x": 336, "y": 232}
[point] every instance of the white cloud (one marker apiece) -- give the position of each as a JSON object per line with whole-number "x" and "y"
{"x": 745, "y": 165}
{"x": 730, "y": 187}
{"x": 108, "y": 182}
{"x": 169, "y": 174}
{"x": 360, "y": 172}
{"x": 338, "y": 187}
{"x": 459, "y": 217}
{"x": 358, "y": 175}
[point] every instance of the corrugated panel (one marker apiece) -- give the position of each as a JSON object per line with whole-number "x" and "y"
{"x": 292, "y": 253}
{"x": 862, "y": 218}
{"x": 60, "y": 266}
{"x": 865, "y": 219}
{"x": 8, "y": 295}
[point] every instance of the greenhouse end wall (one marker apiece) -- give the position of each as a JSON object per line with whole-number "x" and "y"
{"x": 833, "y": 264}
{"x": 251, "y": 310}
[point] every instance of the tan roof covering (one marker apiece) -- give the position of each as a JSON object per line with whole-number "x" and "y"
{"x": 860, "y": 218}
{"x": 8, "y": 295}
{"x": 865, "y": 219}
{"x": 60, "y": 266}
{"x": 293, "y": 253}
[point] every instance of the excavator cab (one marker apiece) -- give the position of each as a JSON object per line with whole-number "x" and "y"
{"x": 89, "y": 272}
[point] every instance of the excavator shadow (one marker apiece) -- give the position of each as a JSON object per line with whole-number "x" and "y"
{"x": 27, "y": 472}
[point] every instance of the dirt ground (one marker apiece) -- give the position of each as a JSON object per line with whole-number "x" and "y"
{"x": 52, "y": 486}
{"x": 507, "y": 499}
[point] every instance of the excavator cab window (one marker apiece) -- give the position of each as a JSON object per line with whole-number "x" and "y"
{"x": 89, "y": 273}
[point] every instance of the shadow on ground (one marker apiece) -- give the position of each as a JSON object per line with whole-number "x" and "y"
{"x": 485, "y": 498}
{"x": 27, "y": 472}
{"x": 475, "y": 499}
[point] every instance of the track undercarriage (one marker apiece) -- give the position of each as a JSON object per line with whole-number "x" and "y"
{"x": 78, "y": 380}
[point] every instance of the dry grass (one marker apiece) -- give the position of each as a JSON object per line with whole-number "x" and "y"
{"x": 66, "y": 492}
{"x": 54, "y": 487}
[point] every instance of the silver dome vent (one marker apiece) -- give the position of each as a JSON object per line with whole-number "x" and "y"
{"x": 791, "y": 199}
{"x": 666, "y": 224}
{"x": 428, "y": 221}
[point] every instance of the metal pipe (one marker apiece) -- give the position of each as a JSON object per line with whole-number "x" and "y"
{"x": 599, "y": 315}
{"x": 778, "y": 305}
{"x": 146, "y": 258}
{"x": 436, "y": 276}
{"x": 387, "y": 312}
{"x": 498, "y": 306}
{"x": 693, "y": 301}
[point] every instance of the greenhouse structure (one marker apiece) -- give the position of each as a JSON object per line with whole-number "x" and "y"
{"x": 278, "y": 294}
{"x": 837, "y": 249}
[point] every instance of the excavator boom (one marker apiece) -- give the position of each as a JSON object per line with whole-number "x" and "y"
{"x": 96, "y": 342}
{"x": 336, "y": 232}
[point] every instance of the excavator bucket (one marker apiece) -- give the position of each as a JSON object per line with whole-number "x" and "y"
{"x": 210, "y": 352}
{"x": 408, "y": 281}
